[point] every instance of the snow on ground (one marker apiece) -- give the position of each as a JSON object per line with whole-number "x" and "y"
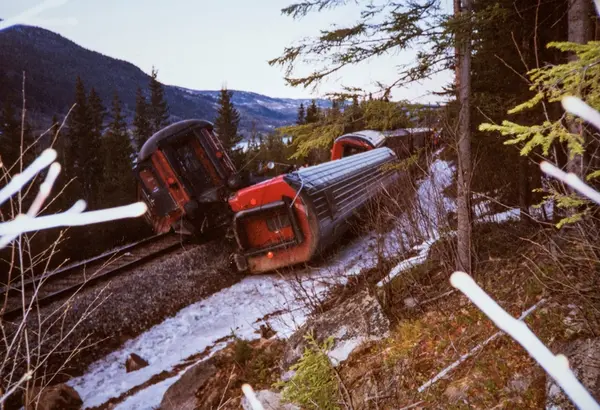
{"x": 146, "y": 399}
{"x": 240, "y": 309}
{"x": 433, "y": 206}
{"x": 237, "y": 309}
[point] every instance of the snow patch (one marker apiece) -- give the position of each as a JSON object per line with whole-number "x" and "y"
{"x": 149, "y": 398}
{"x": 343, "y": 350}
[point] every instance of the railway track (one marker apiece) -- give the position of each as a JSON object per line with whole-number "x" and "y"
{"x": 64, "y": 282}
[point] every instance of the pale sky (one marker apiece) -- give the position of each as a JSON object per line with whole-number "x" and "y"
{"x": 203, "y": 44}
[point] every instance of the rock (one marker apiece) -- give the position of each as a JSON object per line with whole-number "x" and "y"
{"x": 266, "y": 331}
{"x": 57, "y": 397}
{"x": 354, "y": 321}
{"x": 270, "y": 400}
{"x": 519, "y": 384}
{"x": 182, "y": 394}
{"x": 135, "y": 362}
{"x": 584, "y": 360}
{"x": 410, "y": 302}
{"x": 456, "y": 392}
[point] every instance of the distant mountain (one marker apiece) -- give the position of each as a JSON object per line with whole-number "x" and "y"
{"x": 51, "y": 63}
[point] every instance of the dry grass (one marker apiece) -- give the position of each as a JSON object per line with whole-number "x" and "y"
{"x": 430, "y": 332}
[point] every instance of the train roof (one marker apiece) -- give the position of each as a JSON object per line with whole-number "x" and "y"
{"x": 375, "y": 138}
{"x": 324, "y": 175}
{"x": 402, "y": 132}
{"x": 169, "y": 131}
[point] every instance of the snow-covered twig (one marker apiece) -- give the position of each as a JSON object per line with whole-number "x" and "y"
{"x": 39, "y": 200}
{"x": 556, "y": 366}
{"x": 474, "y": 350}
{"x": 18, "y": 181}
{"x": 251, "y": 396}
{"x": 72, "y": 217}
{"x": 25, "y": 223}
{"x": 27, "y": 376}
{"x": 572, "y": 180}
{"x": 577, "y": 107}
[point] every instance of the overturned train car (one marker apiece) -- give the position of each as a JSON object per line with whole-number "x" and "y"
{"x": 404, "y": 142}
{"x": 185, "y": 178}
{"x": 290, "y": 218}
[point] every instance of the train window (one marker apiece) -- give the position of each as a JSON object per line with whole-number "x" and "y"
{"x": 188, "y": 158}
{"x": 149, "y": 180}
{"x": 351, "y": 150}
{"x": 278, "y": 221}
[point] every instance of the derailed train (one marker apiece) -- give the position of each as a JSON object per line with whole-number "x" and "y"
{"x": 404, "y": 142}
{"x": 189, "y": 183}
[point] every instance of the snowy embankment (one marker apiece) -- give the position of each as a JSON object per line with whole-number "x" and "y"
{"x": 241, "y": 309}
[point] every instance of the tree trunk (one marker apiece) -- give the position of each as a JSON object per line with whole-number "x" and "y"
{"x": 463, "y": 79}
{"x": 580, "y": 31}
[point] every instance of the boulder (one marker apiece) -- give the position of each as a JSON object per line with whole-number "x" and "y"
{"x": 57, "y": 397}
{"x": 270, "y": 400}
{"x": 354, "y": 321}
{"x": 135, "y": 362}
{"x": 584, "y": 360}
{"x": 182, "y": 394}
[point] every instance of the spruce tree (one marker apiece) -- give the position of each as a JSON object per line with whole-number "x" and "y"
{"x": 91, "y": 153}
{"x": 141, "y": 121}
{"x": 355, "y": 121}
{"x": 118, "y": 184}
{"x": 312, "y": 113}
{"x": 227, "y": 122}
{"x": 158, "y": 110}
{"x": 301, "y": 115}
{"x": 78, "y": 132}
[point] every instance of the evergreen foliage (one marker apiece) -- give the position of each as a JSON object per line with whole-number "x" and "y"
{"x": 158, "y": 110}
{"x": 226, "y": 126}
{"x": 78, "y": 133}
{"x": 142, "y": 128}
{"x": 314, "y": 385}
{"x": 577, "y": 77}
{"x": 383, "y": 28}
{"x": 312, "y": 113}
{"x": 119, "y": 183}
{"x": 301, "y": 115}
{"x": 316, "y": 138}
{"x": 91, "y": 154}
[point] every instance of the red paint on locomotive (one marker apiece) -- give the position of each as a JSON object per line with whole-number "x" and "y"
{"x": 271, "y": 226}
{"x": 356, "y": 142}
{"x": 290, "y": 218}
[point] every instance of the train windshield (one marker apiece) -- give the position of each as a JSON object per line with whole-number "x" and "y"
{"x": 187, "y": 157}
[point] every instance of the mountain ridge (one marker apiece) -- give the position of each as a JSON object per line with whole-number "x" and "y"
{"x": 51, "y": 63}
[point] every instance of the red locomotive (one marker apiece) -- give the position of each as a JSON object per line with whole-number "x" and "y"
{"x": 292, "y": 217}
{"x": 189, "y": 182}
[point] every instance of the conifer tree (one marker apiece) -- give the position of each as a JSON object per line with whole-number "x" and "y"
{"x": 158, "y": 110}
{"x": 227, "y": 122}
{"x": 141, "y": 121}
{"x": 78, "y": 132}
{"x": 355, "y": 115}
{"x": 312, "y": 113}
{"x": 91, "y": 153}
{"x": 301, "y": 115}
{"x": 118, "y": 184}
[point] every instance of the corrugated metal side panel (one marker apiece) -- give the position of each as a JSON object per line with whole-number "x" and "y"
{"x": 339, "y": 187}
